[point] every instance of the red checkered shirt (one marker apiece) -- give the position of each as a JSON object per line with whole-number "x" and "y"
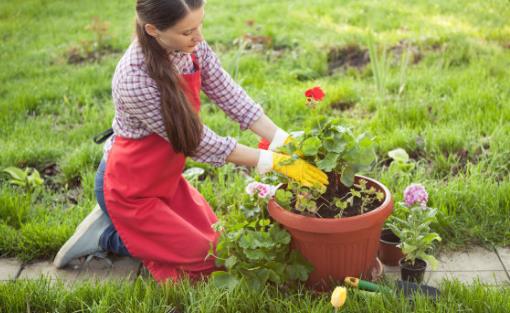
{"x": 137, "y": 101}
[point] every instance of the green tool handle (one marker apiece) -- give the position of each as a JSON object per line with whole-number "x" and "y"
{"x": 364, "y": 284}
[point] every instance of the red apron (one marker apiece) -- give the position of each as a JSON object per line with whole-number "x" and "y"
{"x": 162, "y": 220}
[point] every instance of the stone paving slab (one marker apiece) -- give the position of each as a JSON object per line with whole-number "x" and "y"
{"x": 477, "y": 264}
{"x": 122, "y": 268}
{"x": 478, "y": 259}
{"x": 9, "y": 269}
{"x": 504, "y": 254}
{"x": 46, "y": 269}
{"x": 485, "y": 277}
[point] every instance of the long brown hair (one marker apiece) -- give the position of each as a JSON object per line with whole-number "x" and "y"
{"x": 182, "y": 123}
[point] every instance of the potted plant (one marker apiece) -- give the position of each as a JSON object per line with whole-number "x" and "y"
{"x": 389, "y": 250}
{"x": 336, "y": 229}
{"x": 415, "y": 233}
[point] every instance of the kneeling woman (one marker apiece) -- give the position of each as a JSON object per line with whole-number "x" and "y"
{"x": 147, "y": 209}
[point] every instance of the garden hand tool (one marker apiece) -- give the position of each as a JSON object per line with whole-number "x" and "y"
{"x": 406, "y": 287}
{"x": 297, "y": 169}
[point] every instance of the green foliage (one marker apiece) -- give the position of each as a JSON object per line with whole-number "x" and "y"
{"x": 14, "y": 207}
{"x": 83, "y": 159}
{"x": 416, "y": 236}
{"x": 257, "y": 252}
{"x": 333, "y": 147}
{"x": 28, "y": 180}
{"x": 252, "y": 250}
{"x": 283, "y": 197}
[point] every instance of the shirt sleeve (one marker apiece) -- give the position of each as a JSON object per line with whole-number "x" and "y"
{"x": 227, "y": 94}
{"x": 140, "y": 100}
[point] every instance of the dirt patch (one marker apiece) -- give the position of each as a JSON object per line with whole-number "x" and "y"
{"x": 79, "y": 55}
{"x": 50, "y": 169}
{"x": 464, "y": 157}
{"x": 342, "y": 105}
{"x": 351, "y": 56}
{"x": 398, "y": 51}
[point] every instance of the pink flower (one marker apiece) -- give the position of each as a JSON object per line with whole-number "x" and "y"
{"x": 262, "y": 190}
{"x": 415, "y": 193}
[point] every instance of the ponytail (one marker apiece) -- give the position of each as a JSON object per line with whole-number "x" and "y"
{"x": 182, "y": 123}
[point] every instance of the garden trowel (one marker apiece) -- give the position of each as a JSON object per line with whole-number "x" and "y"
{"x": 406, "y": 287}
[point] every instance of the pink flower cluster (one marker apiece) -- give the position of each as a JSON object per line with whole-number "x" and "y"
{"x": 262, "y": 190}
{"x": 415, "y": 193}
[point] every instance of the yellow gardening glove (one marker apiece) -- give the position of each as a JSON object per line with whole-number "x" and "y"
{"x": 300, "y": 170}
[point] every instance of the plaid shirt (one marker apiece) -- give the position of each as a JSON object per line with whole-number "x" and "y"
{"x": 137, "y": 101}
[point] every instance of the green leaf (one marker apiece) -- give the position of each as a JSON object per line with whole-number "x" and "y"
{"x": 399, "y": 155}
{"x": 283, "y": 198}
{"x": 16, "y": 173}
{"x": 298, "y": 272}
{"x": 279, "y": 235}
{"x": 311, "y": 146}
{"x": 34, "y": 179}
{"x": 255, "y": 254}
{"x": 333, "y": 144}
{"x": 329, "y": 162}
{"x": 429, "y": 238}
{"x": 230, "y": 262}
{"x": 364, "y": 141}
{"x": 347, "y": 177}
{"x": 224, "y": 280}
{"x": 431, "y": 260}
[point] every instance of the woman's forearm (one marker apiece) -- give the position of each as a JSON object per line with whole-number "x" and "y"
{"x": 264, "y": 127}
{"x": 243, "y": 155}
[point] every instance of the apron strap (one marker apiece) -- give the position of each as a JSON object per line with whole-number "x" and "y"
{"x": 101, "y": 137}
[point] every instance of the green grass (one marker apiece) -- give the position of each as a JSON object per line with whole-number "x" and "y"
{"x": 450, "y": 110}
{"x": 146, "y": 296}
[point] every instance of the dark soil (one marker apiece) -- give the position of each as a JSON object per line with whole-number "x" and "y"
{"x": 349, "y": 56}
{"x": 342, "y": 105}
{"x": 50, "y": 169}
{"x": 327, "y": 209}
{"x": 75, "y": 55}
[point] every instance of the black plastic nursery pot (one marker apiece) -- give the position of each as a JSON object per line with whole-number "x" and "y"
{"x": 412, "y": 272}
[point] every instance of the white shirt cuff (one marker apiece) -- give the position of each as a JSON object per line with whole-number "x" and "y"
{"x": 278, "y": 139}
{"x": 265, "y": 163}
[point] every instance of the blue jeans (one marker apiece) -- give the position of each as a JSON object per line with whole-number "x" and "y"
{"x": 110, "y": 240}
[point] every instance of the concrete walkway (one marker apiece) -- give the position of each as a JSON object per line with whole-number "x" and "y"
{"x": 478, "y": 264}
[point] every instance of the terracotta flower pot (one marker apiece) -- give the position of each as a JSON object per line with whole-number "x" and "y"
{"x": 337, "y": 247}
{"x": 413, "y": 273}
{"x": 389, "y": 253}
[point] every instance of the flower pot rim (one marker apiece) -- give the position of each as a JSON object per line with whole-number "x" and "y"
{"x": 402, "y": 260}
{"x": 336, "y": 225}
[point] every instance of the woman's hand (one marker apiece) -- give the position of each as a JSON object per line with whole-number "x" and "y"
{"x": 298, "y": 169}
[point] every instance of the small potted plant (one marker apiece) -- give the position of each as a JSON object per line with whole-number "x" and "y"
{"x": 416, "y": 236}
{"x": 337, "y": 228}
{"x": 389, "y": 250}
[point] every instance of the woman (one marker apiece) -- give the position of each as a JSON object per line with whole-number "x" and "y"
{"x": 147, "y": 209}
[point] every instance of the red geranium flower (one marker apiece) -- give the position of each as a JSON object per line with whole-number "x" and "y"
{"x": 315, "y": 93}
{"x": 264, "y": 144}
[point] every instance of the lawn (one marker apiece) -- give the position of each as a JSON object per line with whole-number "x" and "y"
{"x": 439, "y": 89}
